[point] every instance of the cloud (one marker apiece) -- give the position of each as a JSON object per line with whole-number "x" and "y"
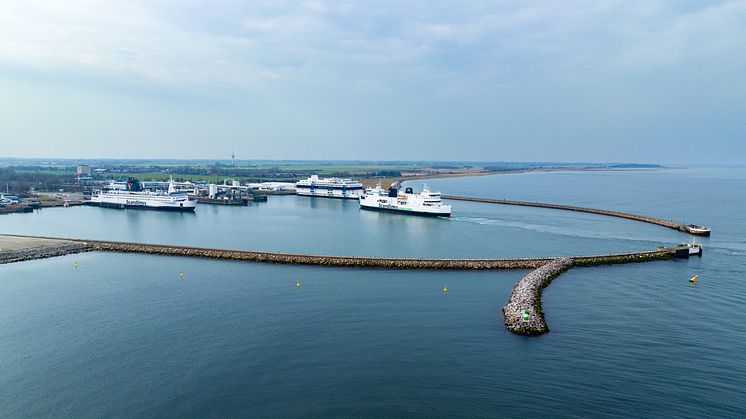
{"x": 241, "y": 44}
{"x": 478, "y": 72}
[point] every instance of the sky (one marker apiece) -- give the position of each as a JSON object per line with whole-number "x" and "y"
{"x": 610, "y": 81}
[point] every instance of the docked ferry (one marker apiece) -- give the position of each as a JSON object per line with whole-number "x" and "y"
{"x": 698, "y": 230}
{"x": 423, "y": 203}
{"x": 135, "y": 197}
{"x": 329, "y": 187}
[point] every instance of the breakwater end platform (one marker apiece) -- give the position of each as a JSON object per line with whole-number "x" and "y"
{"x": 686, "y": 228}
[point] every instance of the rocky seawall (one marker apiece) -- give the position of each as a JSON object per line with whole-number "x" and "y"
{"x": 523, "y": 313}
{"x": 621, "y": 258}
{"x": 54, "y": 246}
{"x": 42, "y": 251}
{"x": 373, "y": 262}
{"x": 645, "y": 219}
{"x": 321, "y": 260}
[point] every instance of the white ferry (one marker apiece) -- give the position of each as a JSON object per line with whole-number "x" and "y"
{"x": 698, "y": 230}
{"x": 329, "y": 187}
{"x": 423, "y": 203}
{"x": 135, "y": 197}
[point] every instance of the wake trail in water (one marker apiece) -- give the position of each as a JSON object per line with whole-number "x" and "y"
{"x": 561, "y": 230}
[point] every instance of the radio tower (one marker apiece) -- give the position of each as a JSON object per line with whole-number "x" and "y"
{"x": 233, "y": 159}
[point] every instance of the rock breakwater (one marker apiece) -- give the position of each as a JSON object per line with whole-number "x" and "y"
{"x": 42, "y": 251}
{"x": 523, "y": 313}
{"x": 321, "y": 260}
{"x": 58, "y": 245}
{"x": 645, "y": 219}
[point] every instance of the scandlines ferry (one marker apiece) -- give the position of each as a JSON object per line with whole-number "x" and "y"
{"x": 135, "y": 197}
{"x": 329, "y": 188}
{"x": 424, "y": 203}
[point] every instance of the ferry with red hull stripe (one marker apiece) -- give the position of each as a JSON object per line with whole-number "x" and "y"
{"x": 134, "y": 197}
{"x": 425, "y": 203}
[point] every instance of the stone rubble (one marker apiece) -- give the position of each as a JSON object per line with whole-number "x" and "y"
{"x": 523, "y": 313}
{"x": 43, "y": 251}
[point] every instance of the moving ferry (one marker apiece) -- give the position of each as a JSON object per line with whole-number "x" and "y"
{"x": 135, "y": 197}
{"x": 329, "y": 187}
{"x": 423, "y": 203}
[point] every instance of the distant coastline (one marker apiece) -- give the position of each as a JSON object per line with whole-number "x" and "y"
{"x": 29, "y": 176}
{"x": 385, "y": 181}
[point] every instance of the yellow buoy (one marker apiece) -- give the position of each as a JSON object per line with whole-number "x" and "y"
{"x": 445, "y": 289}
{"x": 297, "y": 284}
{"x": 694, "y": 278}
{"x": 181, "y": 275}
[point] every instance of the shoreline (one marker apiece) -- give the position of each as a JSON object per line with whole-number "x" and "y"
{"x": 372, "y": 182}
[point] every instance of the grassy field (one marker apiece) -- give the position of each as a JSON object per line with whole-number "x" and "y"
{"x": 158, "y": 176}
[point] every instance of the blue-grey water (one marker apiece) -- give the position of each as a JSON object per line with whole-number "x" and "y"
{"x": 123, "y": 335}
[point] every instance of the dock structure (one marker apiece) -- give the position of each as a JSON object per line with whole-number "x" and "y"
{"x": 686, "y": 228}
{"x": 218, "y": 201}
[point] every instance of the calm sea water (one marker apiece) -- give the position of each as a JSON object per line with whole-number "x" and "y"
{"x": 123, "y": 336}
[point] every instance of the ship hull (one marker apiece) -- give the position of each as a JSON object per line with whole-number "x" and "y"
{"x": 329, "y": 188}
{"x": 134, "y": 201}
{"x": 142, "y": 207}
{"x": 405, "y": 211}
{"x": 328, "y": 194}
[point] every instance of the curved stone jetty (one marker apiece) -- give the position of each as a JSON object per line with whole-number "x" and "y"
{"x": 523, "y": 313}
{"x": 343, "y": 261}
{"x": 652, "y": 220}
{"x": 375, "y": 262}
{"x": 320, "y": 260}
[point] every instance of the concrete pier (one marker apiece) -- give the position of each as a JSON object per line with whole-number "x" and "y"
{"x": 523, "y": 313}
{"x": 686, "y": 228}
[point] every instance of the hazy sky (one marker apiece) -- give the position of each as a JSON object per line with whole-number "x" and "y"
{"x": 636, "y": 81}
